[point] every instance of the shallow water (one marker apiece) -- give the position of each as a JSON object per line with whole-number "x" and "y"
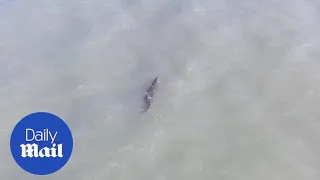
{"x": 238, "y": 96}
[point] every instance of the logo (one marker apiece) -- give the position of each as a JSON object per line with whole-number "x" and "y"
{"x": 41, "y": 143}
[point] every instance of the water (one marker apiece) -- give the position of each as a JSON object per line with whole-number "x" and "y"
{"x": 238, "y": 96}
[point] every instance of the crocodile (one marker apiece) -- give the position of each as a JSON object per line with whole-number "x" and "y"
{"x": 150, "y": 93}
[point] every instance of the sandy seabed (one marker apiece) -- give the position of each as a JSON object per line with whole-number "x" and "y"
{"x": 238, "y": 98}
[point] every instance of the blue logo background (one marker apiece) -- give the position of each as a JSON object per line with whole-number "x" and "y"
{"x": 38, "y": 122}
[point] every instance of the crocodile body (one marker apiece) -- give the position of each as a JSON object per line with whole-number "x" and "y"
{"x": 150, "y": 93}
